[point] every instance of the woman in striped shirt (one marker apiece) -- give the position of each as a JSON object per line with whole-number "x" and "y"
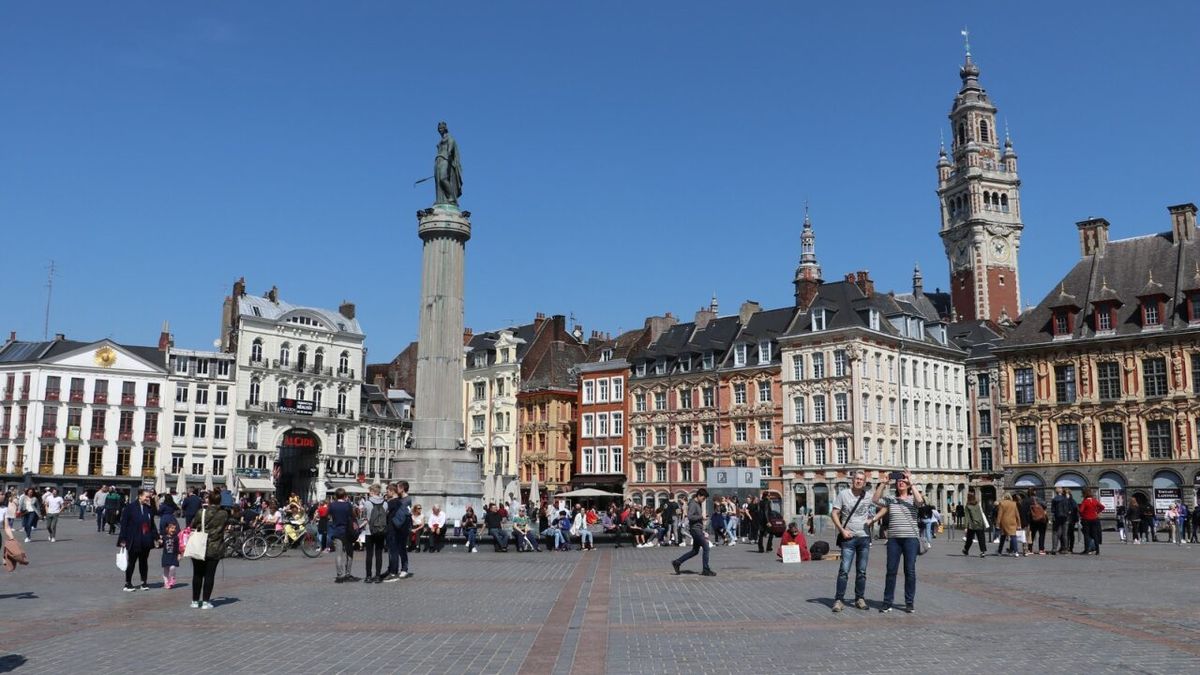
{"x": 902, "y": 532}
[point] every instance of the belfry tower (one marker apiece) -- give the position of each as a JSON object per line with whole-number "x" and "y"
{"x": 979, "y": 193}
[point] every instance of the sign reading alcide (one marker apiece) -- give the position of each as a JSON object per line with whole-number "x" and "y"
{"x": 296, "y": 406}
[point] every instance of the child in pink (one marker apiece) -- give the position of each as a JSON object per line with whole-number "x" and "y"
{"x": 170, "y": 554}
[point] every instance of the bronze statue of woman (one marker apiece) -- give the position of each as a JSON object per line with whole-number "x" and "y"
{"x": 447, "y": 171}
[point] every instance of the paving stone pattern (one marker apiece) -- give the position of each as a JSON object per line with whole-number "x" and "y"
{"x": 1130, "y": 610}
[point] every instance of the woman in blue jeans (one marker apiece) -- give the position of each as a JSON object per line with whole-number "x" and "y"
{"x": 903, "y": 536}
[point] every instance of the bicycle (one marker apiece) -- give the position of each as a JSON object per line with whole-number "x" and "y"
{"x": 273, "y": 544}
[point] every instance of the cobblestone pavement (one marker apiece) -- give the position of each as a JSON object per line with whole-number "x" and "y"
{"x": 1130, "y": 610}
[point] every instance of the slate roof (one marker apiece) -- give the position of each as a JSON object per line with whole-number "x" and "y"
{"x": 247, "y": 304}
{"x": 763, "y": 325}
{"x": 684, "y": 339}
{"x": 555, "y": 368}
{"x": 978, "y": 337}
{"x": 487, "y": 342}
{"x": 847, "y": 306}
{"x": 37, "y": 352}
{"x": 1127, "y": 269}
{"x": 373, "y": 397}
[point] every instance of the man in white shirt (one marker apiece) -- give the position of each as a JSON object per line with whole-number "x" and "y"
{"x": 54, "y": 507}
{"x": 437, "y": 528}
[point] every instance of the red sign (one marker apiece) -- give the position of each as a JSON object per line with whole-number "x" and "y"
{"x": 299, "y": 438}
{"x": 362, "y": 478}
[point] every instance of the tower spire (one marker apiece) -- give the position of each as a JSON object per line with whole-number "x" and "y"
{"x": 808, "y": 273}
{"x": 967, "y": 42}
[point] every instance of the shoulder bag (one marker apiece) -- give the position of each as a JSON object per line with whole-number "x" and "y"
{"x": 197, "y": 543}
{"x": 846, "y": 520}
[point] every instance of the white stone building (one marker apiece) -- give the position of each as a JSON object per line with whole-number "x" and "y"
{"x": 200, "y": 427}
{"x": 492, "y": 378}
{"x": 298, "y": 393}
{"x": 80, "y": 414}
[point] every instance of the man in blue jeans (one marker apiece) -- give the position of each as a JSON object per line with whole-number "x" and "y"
{"x": 398, "y": 531}
{"x": 695, "y": 521}
{"x": 852, "y": 517}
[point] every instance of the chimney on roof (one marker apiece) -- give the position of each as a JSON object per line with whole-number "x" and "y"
{"x": 862, "y": 279}
{"x": 657, "y": 325}
{"x": 273, "y": 294}
{"x": 347, "y": 309}
{"x": 164, "y": 338}
{"x": 239, "y": 287}
{"x": 1093, "y": 236}
{"x": 467, "y": 335}
{"x": 748, "y": 309}
{"x": 704, "y": 315}
{"x": 538, "y": 320}
{"x": 1183, "y": 222}
{"x": 12, "y": 336}
{"x": 59, "y": 337}
{"x": 381, "y": 382}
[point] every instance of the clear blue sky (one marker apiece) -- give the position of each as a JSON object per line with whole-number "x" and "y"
{"x": 621, "y": 159}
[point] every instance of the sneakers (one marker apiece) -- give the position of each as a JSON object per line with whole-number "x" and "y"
{"x": 143, "y": 587}
{"x": 708, "y": 573}
{"x": 195, "y": 604}
{"x": 26, "y": 540}
{"x": 404, "y": 575}
{"x": 861, "y": 604}
{"x": 982, "y": 555}
{"x": 675, "y": 566}
{"x": 885, "y": 609}
{"x": 474, "y": 550}
{"x": 51, "y": 540}
{"x": 369, "y": 579}
{"x": 206, "y": 605}
{"x": 838, "y": 606}
{"x": 910, "y": 609}
{"x": 350, "y": 578}
{"x": 732, "y": 543}
{"x": 129, "y": 589}
{"x": 339, "y": 580}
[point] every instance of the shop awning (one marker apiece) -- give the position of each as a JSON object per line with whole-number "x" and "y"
{"x": 350, "y": 488}
{"x": 600, "y": 480}
{"x": 247, "y": 484}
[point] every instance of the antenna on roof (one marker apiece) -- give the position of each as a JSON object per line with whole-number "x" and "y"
{"x": 49, "y": 295}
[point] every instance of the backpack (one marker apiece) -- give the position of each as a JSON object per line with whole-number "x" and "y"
{"x": 377, "y": 521}
{"x": 1037, "y": 512}
{"x": 777, "y": 525}
{"x": 402, "y": 515}
{"x": 818, "y": 550}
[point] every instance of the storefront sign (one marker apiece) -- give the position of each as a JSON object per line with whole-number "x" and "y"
{"x": 300, "y": 439}
{"x": 1164, "y": 498}
{"x": 1108, "y": 497}
{"x": 733, "y": 477}
{"x": 295, "y": 406}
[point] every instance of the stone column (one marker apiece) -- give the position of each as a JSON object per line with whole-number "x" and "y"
{"x": 439, "y": 468}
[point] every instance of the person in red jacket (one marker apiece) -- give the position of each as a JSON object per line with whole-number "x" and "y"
{"x": 793, "y": 535}
{"x": 1089, "y": 519}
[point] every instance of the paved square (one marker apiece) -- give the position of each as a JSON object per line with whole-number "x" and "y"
{"x": 1132, "y": 609}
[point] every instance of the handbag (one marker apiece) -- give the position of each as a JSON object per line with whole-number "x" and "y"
{"x": 846, "y": 518}
{"x": 122, "y": 559}
{"x": 923, "y": 546}
{"x": 197, "y": 543}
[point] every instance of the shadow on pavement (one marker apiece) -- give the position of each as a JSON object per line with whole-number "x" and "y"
{"x": 27, "y": 595}
{"x": 11, "y": 662}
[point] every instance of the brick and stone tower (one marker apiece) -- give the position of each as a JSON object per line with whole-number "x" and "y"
{"x": 979, "y": 192}
{"x": 808, "y": 273}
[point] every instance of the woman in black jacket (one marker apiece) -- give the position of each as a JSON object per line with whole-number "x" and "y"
{"x": 211, "y": 519}
{"x": 139, "y": 537}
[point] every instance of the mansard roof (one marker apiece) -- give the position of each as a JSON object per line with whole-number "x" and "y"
{"x": 1126, "y": 271}
{"x": 846, "y": 306}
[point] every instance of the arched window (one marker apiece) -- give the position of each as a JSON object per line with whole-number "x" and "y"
{"x": 1004, "y": 203}
{"x": 341, "y": 404}
{"x": 301, "y": 391}
{"x": 262, "y": 461}
{"x": 987, "y": 200}
{"x": 252, "y": 433}
{"x": 254, "y": 392}
{"x": 962, "y": 134}
{"x": 256, "y": 351}
{"x": 285, "y": 354}
{"x": 283, "y": 390}
{"x": 983, "y": 132}
{"x": 344, "y": 363}
{"x": 340, "y": 464}
{"x": 319, "y": 359}
{"x": 302, "y": 357}
{"x": 317, "y": 391}
{"x": 996, "y": 199}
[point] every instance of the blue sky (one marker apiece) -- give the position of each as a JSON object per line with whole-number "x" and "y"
{"x": 620, "y": 159}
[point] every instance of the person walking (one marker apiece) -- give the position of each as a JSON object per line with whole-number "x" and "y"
{"x": 695, "y": 520}
{"x": 852, "y": 517}
{"x": 925, "y": 513}
{"x": 901, "y": 513}
{"x": 1089, "y": 517}
{"x": 1133, "y": 516}
{"x": 375, "y": 513}
{"x": 1038, "y": 519}
{"x": 30, "y": 508}
{"x": 763, "y": 520}
{"x": 138, "y": 537}
{"x": 976, "y": 524}
{"x": 54, "y": 507}
{"x": 211, "y": 519}
{"x": 1008, "y": 520}
{"x": 98, "y": 502}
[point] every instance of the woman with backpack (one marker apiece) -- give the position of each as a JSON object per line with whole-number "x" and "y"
{"x": 376, "y": 511}
{"x": 1038, "y": 519}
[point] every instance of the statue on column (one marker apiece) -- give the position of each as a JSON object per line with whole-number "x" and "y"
{"x": 447, "y": 170}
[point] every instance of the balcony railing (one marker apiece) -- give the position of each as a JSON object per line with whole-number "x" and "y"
{"x": 151, "y": 401}
{"x": 76, "y": 396}
{"x": 21, "y": 432}
{"x": 260, "y": 362}
{"x": 347, "y": 373}
{"x": 125, "y": 435}
{"x": 8, "y": 395}
{"x": 147, "y": 472}
{"x": 100, "y": 398}
{"x": 150, "y": 437}
{"x": 96, "y": 435}
{"x": 24, "y": 395}
{"x": 128, "y": 399}
{"x": 71, "y": 469}
{"x": 49, "y": 432}
{"x": 52, "y": 394}
{"x": 273, "y": 407}
{"x": 45, "y": 469}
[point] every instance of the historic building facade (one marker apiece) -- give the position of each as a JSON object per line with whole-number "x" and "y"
{"x": 1099, "y": 383}
{"x": 383, "y": 433}
{"x": 298, "y": 391}
{"x": 602, "y": 431}
{"x": 492, "y": 376}
{"x": 869, "y": 380}
{"x": 80, "y": 414}
{"x": 979, "y": 192}
{"x": 200, "y": 387}
{"x": 978, "y": 338}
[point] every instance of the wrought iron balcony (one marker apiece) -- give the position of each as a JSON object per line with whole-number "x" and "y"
{"x": 52, "y": 394}
{"x": 101, "y": 399}
{"x": 76, "y": 396}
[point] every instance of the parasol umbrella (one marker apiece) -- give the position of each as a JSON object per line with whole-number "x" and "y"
{"x": 208, "y": 484}
{"x": 534, "y": 497}
{"x": 181, "y": 484}
{"x": 160, "y": 482}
